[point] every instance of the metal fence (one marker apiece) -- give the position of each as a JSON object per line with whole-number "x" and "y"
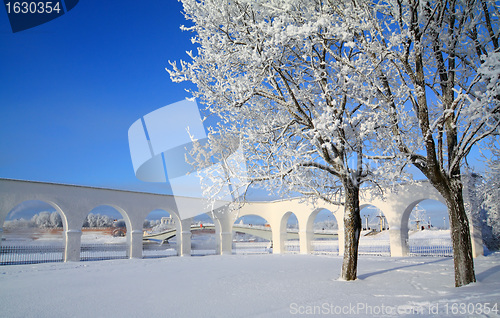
{"x": 329, "y": 247}
{"x": 292, "y": 246}
{"x": 430, "y": 247}
{"x": 374, "y": 247}
{"x": 252, "y": 247}
{"x": 30, "y": 254}
{"x": 33, "y": 254}
{"x": 99, "y": 252}
{"x": 439, "y": 247}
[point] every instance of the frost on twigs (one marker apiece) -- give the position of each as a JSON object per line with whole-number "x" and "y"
{"x": 221, "y": 168}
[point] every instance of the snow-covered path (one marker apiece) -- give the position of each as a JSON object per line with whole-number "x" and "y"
{"x": 245, "y": 286}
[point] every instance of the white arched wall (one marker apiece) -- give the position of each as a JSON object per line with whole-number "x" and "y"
{"x": 308, "y": 235}
{"x": 183, "y": 247}
{"x": 9, "y": 202}
{"x": 277, "y": 212}
{"x": 238, "y": 217}
{"x": 223, "y": 221}
{"x": 404, "y": 224}
{"x": 6, "y": 206}
{"x": 125, "y": 217}
{"x": 75, "y": 202}
{"x": 338, "y": 213}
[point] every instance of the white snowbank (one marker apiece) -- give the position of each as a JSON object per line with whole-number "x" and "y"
{"x": 430, "y": 234}
{"x": 99, "y": 238}
{"x": 243, "y": 286}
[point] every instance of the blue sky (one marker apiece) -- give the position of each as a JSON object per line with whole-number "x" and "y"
{"x": 71, "y": 88}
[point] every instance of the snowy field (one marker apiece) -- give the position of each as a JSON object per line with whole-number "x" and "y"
{"x": 248, "y": 286}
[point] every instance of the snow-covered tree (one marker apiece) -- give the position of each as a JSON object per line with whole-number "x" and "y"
{"x": 491, "y": 198}
{"x": 47, "y": 220}
{"x": 41, "y": 220}
{"x": 276, "y": 74}
{"x": 18, "y": 224}
{"x": 56, "y": 220}
{"x": 304, "y": 84}
{"x": 147, "y": 224}
{"x": 98, "y": 220}
{"x": 435, "y": 64}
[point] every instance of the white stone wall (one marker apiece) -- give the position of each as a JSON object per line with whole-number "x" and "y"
{"x": 75, "y": 202}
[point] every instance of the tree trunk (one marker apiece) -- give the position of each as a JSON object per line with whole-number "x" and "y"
{"x": 352, "y": 230}
{"x": 460, "y": 234}
{"x": 451, "y": 190}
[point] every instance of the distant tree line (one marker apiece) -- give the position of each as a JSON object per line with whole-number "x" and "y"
{"x": 42, "y": 220}
{"x": 49, "y": 220}
{"x": 98, "y": 220}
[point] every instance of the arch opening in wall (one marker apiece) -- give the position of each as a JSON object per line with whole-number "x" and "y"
{"x": 291, "y": 226}
{"x": 33, "y": 232}
{"x": 325, "y": 228}
{"x": 203, "y": 241}
{"x": 105, "y": 234}
{"x": 373, "y": 219}
{"x": 429, "y": 214}
{"x": 374, "y": 238}
{"x": 160, "y": 234}
{"x": 252, "y": 234}
{"x": 427, "y": 228}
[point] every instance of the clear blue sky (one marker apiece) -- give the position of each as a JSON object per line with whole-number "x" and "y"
{"x": 71, "y": 88}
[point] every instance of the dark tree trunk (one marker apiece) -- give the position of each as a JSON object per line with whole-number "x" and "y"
{"x": 352, "y": 230}
{"x": 460, "y": 232}
{"x": 446, "y": 180}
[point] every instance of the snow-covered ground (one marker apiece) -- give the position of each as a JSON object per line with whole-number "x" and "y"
{"x": 262, "y": 285}
{"x": 247, "y": 286}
